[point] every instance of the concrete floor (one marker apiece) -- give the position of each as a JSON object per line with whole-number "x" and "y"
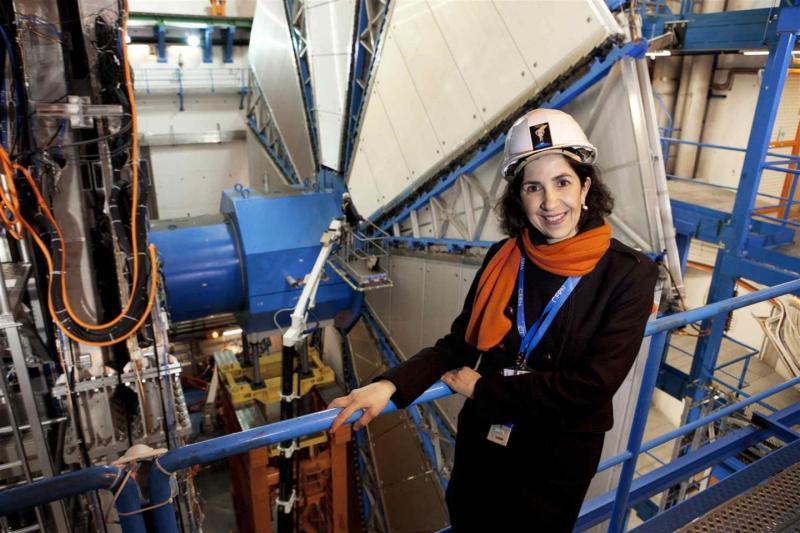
{"x": 213, "y": 485}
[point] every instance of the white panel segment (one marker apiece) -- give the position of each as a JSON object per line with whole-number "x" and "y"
{"x": 189, "y": 178}
{"x": 554, "y": 34}
{"x": 408, "y": 276}
{"x": 383, "y": 152}
{"x": 362, "y": 185}
{"x": 450, "y": 70}
{"x": 486, "y": 55}
{"x": 329, "y": 29}
{"x": 410, "y": 122}
{"x": 434, "y": 73}
{"x": 272, "y": 57}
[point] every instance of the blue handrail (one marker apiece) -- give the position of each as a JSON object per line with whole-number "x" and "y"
{"x": 106, "y": 477}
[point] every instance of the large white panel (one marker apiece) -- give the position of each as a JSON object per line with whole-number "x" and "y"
{"x": 491, "y": 65}
{"x": 408, "y": 276}
{"x": 329, "y": 28}
{"x": 330, "y": 134}
{"x": 189, "y": 179}
{"x": 382, "y": 150}
{"x": 330, "y": 80}
{"x": 445, "y": 94}
{"x": 450, "y": 70}
{"x": 272, "y": 57}
{"x": 365, "y": 194}
{"x": 409, "y": 120}
{"x": 440, "y": 304}
{"x": 554, "y": 34}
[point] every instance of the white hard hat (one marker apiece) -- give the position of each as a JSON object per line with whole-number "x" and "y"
{"x": 544, "y": 131}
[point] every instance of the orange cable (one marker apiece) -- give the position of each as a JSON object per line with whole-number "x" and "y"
{"x": 15, "y": 223}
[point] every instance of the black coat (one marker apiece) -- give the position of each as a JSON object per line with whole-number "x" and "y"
{"x": 560, "y": 410}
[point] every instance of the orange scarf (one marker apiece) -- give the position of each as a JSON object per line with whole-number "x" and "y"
{"x": 575, "y": 256}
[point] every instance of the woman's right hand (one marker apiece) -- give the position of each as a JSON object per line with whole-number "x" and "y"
{"x": 372, "y": 398}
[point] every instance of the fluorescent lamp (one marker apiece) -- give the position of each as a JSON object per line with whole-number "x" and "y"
{"x": 193, "y": 39}
{"x": 232, "y": 332}
{"x": 755, "y": 52}
{"x": 658, "y": 53}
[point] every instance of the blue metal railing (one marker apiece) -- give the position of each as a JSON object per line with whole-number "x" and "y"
{"x": 614, "y": 505}
{"x": 785, "y": 203}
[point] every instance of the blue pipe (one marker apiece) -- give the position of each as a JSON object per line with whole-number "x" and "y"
{"x": 77, "y": 482}
{"x": 729, "y": 148}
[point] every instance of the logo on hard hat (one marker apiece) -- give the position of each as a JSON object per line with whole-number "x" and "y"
{"x": 540, "y": 136}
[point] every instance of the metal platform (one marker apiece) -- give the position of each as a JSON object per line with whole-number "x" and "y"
{"x": 772, "y": 506}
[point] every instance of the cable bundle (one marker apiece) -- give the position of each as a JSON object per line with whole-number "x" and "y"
{"x": 125, "y": 193}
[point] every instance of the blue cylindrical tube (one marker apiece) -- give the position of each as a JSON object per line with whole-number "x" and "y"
{"x": 73, "y": 483}
{"x": 202, "y": 269}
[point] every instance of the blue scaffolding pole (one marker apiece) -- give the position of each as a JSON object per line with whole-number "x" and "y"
{"x": 730, "y": 263}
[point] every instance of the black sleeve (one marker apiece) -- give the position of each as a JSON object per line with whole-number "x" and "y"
{"x": 599, "y": 372}
{"x": 415, "y": 375}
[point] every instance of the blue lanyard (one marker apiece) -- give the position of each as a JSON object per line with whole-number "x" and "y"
{"x": 531, "y": 338}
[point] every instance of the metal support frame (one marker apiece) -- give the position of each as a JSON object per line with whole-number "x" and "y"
{"x": 262, "y": 124}
{"x": 227, "y": 54}
{"x": 160, "y": 33}
{"x": 728, "y": 31}
{"x": 208, "y": 45}
{"x": 730, "y": 263}
{"x": 370, "y": 17}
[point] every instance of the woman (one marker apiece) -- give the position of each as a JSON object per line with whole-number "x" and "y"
{"x": 556, "y": 316}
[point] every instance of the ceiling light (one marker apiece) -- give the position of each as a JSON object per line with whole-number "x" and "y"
{"x": 755, "y": 52}
{"x": 232, "y": 332}
{"x": 193, "y": 39}
{"x": 658, "y": 53}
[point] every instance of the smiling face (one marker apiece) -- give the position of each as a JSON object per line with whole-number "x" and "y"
{"x": 552, "y": 196}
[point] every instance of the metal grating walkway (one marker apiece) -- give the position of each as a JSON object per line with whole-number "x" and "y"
{"x": 772, "y": 506}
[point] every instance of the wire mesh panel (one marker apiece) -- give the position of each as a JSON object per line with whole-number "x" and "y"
{"x": 772, "y": 506}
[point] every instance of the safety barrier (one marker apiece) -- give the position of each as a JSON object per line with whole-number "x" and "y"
{"x": 613, "y": 505}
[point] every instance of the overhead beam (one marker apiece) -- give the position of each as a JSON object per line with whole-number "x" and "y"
{"x": 728, "y": 31}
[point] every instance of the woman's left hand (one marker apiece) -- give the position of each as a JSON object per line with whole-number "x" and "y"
{"x": 462, "y": 380}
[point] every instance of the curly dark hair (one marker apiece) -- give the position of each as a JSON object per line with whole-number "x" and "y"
{"x": 511, "y": 212}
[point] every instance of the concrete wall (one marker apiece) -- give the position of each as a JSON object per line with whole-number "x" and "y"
{"x": 189, "y": 177}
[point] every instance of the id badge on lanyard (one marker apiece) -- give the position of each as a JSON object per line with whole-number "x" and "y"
{"x": 501, "y": 433}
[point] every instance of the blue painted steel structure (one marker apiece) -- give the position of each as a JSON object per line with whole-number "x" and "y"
{"x": 715, "y": 32}
{"x": 731, "y": 261}
{"x": 612, "y": 504}
{"x": 412, "y": 199}
{"x": 160, "y": 33}
{"x": 363, "y": 60}
{"x": 202, "y": 269}
{"x": 208, "y": 44}
{"x": 281, "y": 162}
{"x": 227, "y": 53}
{"x": 241, "y": 266}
